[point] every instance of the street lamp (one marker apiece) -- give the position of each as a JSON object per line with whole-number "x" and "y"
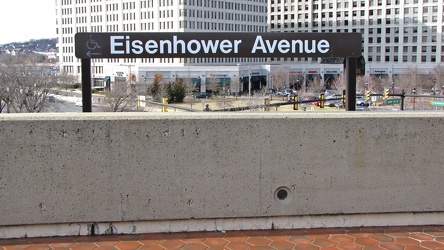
{"x": 434, "y": 86}
{"x": 249, "y": 84}
{"x": 305, "y": 81}
{"x": 271, "y": 83}
{"x": 393, "y": 87}
{"x": 414, "y": 92}
{"x": 129, "y": 74}
{"x": 249, "y": 81}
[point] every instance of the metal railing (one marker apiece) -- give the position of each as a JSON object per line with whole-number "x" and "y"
{"x": 296, "y": 102}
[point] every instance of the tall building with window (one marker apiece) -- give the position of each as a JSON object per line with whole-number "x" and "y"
{"x": 396, "y": 34}
{"x": 153, "y": 16}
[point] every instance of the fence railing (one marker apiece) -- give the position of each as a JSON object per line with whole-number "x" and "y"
{"x": 321, "y": 100}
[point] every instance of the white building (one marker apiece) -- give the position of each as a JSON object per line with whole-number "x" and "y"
{"x": 158, "y": 16}
{"x": 397, "y": 34}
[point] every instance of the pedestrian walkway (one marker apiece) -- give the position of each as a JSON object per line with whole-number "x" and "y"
{"x": 364, "y": 238}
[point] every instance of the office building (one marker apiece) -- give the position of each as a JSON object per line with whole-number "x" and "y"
{"x": 396, "y": 34}
{"x": 157, "y": 16}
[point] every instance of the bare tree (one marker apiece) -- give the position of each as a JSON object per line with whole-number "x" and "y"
{"x": 315, "y": 86}
{"x": 362, "y": 83}
{"x": 6, "y": 85}
{"x": 404, "y": 81}
{"x": 438, "y": 73}
{"x": 25, "y": 87}
{"x": 121, "y": 97}
{"x": 189, "y": 86}
{"x": 295, "y": 80}
{"x": 236, "y": 85}
{"x": 66, "y": 81}
{"x": 280, "y": 78}
{"x": 213, "y": 85}
{"x": 339, "y": 83}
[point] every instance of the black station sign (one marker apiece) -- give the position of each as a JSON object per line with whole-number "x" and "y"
{"x": 216, "y": 44}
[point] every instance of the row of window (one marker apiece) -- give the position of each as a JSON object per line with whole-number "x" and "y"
{"x": 96, "y": 28}
{"x": 170, "y": 25}
{"x": 69, "y": 69}
{"x": 66, "y": 40}
{"x": 406, "y": 39}
{"x": 96, "y": 8}
{"x": 171, "y": 60}
{"x": 66, "y": 11}
{"x": 405, "y": 49}
{"x": 194, "y": 25}
{"x": 355, "y": 13}
{"x": 167, "y": 3}
{"x": 354, "y": 22}
{"x": 129, "y": 16}
{"x": 129, "y": 6}
{"x": 406, "y": 58}
{"x": 69, "y": 2}
{"x": 224, "y": 4}
{"x": 355, "y": 3}
{"x": 68, "y": 49}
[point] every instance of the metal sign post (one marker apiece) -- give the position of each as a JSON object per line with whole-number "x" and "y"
{"x": 350, "y": 73}
{"x": 86, "y": 85}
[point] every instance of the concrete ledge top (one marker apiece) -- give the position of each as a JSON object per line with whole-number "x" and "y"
{"x": 214, "y": 115}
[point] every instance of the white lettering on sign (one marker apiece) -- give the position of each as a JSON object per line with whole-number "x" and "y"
{"x": 115, "y": 44}
{"x": 285, "y": 46}
{"x": 123, "y": 45}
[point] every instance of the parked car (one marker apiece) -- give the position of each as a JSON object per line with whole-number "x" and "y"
{"x": 361, "y": 102}
{"x": 331, "y": 102}
{"x": 271, "y": 90}
{"x": 79, "y": 103}
{"x": 203, "y": 95}
{"x": 290, "y": 92}
{"x": 51, "y": 98}
{"x": 286, "y": 92}
{"x": 329, "y": 92}
{"x": 314, "y": 98}
{"x": 340, "y": 104}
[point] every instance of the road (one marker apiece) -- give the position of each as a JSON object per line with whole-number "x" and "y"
{"x": 65, "y": 102}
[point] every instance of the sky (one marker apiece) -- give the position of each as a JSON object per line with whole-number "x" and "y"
{"x": 23, "y": 20}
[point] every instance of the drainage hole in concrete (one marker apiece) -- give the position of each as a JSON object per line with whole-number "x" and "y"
{"x": 282, "y": 194}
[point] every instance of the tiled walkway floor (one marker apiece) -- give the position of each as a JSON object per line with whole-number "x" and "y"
{"x": 366, "y": 238}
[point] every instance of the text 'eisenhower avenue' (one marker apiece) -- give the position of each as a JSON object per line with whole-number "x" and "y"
{"x": 123, "y": 45}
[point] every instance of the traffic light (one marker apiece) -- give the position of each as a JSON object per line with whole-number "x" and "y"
{"x": 386, "y": 93}
{"x": 367, "y": 95}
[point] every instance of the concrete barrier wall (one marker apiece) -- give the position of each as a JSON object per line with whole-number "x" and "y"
{"x": 102, "y": 167}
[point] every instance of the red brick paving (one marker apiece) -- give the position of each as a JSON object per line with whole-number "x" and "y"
{"x": 365, "y": 238}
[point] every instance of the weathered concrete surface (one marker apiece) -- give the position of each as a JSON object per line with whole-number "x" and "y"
{"x": 102, "y": 167}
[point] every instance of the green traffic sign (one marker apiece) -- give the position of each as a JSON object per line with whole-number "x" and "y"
{"x": 393, "y": 101}
{"x": 438, "y": 103}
